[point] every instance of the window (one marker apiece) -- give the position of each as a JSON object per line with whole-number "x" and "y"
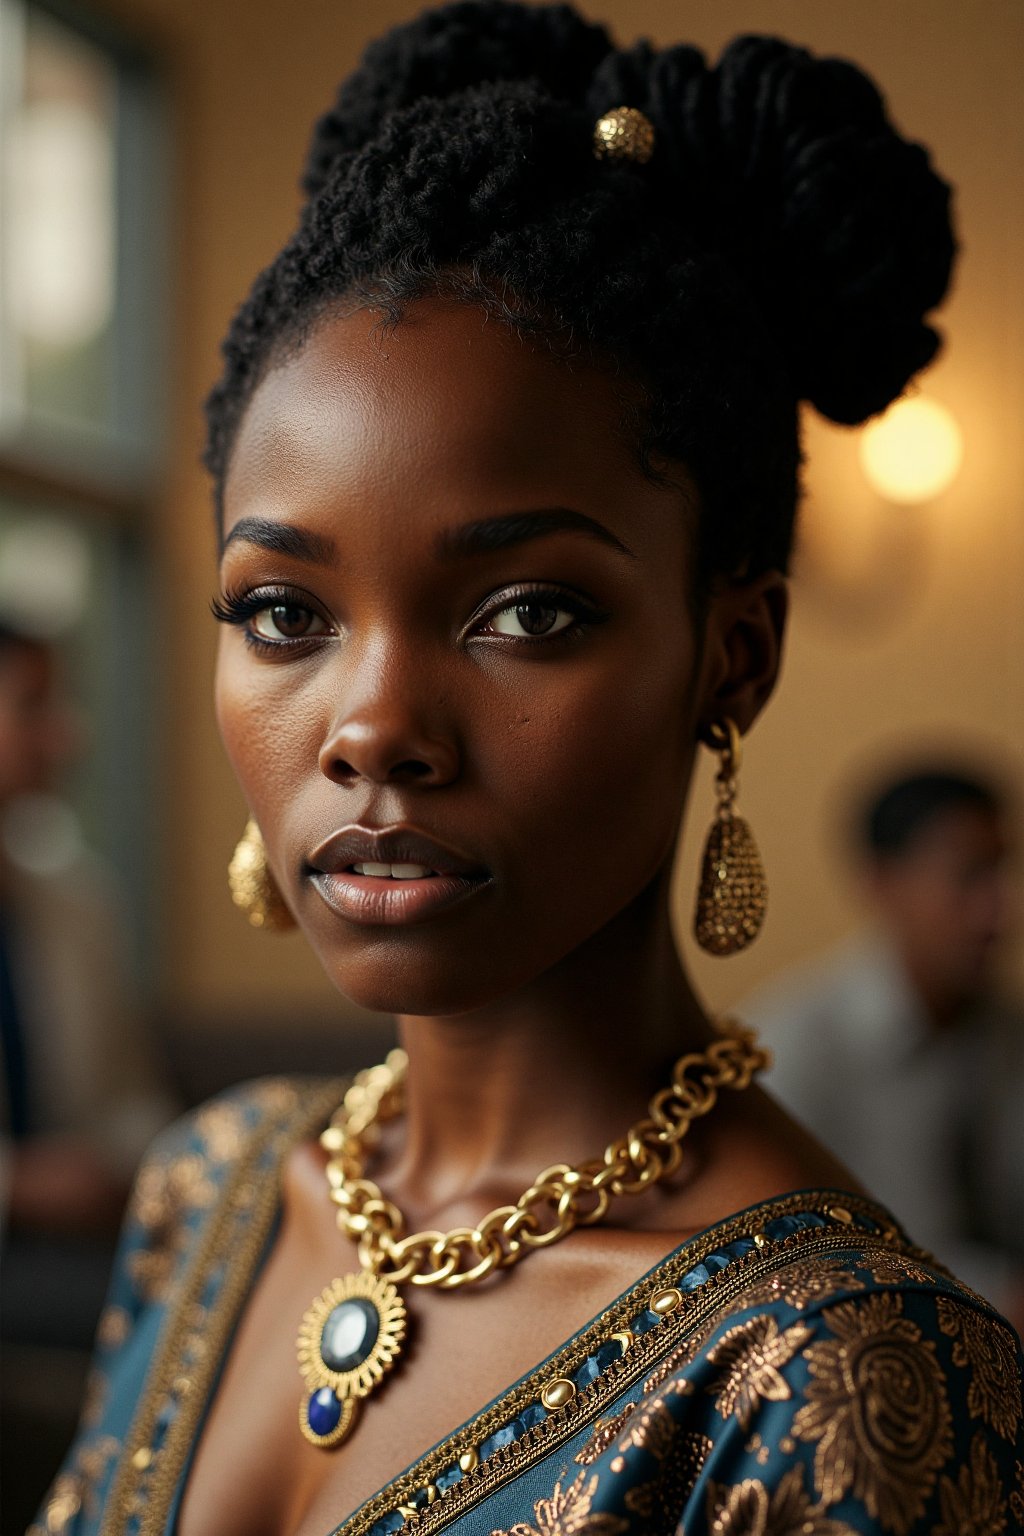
{"x": 83, "y": 279}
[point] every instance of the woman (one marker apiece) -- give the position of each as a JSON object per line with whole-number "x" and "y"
{"x": 505, "y": 457}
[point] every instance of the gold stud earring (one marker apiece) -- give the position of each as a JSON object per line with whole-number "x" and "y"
{"x": 252, "y": 885}
{"x": 733, "y": 894}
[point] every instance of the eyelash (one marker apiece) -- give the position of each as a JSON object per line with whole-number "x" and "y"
{"x": 240, "y": 608}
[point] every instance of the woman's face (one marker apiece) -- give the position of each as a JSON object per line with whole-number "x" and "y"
{"x": 463, "y": 620}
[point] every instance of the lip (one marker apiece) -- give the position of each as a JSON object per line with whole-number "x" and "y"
{"x": 372, "y": 900}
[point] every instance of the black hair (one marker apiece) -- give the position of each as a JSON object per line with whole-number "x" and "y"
{"x": 900, "y": 813}
{"x": 784, "y": 243}
{"x": 13, "y": 640}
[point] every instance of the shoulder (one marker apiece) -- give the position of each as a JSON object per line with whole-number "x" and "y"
{"x": 857, "y": 1390}
{"x": 191, "y": 1167}
{"x": 207, "y": 1187}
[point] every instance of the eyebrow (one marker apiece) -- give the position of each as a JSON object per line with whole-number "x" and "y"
{"x": 282, "y": 539}
{"x": 491, "y": 533}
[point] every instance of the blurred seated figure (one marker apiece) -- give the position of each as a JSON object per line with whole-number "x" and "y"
{"x": 895, "y": 1049}
{"x": 80, "y": 1092}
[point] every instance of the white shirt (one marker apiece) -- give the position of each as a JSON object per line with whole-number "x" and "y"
{"x": 931, "y": 1122}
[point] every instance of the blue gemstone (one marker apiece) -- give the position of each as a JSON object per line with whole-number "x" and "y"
{"x": 589, "y": 1371}
{"x": 323, "y": 1411}
{"x": 645, "y": 1321}
{"x": 497, "y": 1441}
{"x": 388, "y": 1524}
{"x": 349, "y": 1334}
{"x": 533, "y": 1413}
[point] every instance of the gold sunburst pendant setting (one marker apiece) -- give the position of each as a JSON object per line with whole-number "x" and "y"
{"x": 350, "y": 1336}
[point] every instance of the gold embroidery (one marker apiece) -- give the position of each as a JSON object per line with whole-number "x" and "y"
{"x": 145, "y": 1481}
{"x": 114, "y": 1327}
{"x": 679, "y": 1358}
{"x": 1017, "y": 1496}
{"x": 660, "y": 1502}
{"x": 719, "y": 1298}
{"x": 974, "y": 1504}
{"x": 804, "y": 1282}
{"x": 877, "y": 1408}
{"x": 751, "y": 1509}
{"x": 652, "y": 1430}
{"x": 721, "y": 1295}
{"x": 987, "y": 1347}
{"x": 606, "y": 1432}
{"x": 75, "y": 1490}
{"x": 750, "y": 1356}
{"x": 223, "y": 1129}
{"x": 165, "y": 1194}
{"x": 889, "y": 1268}
{"x": 568, "y": 1512}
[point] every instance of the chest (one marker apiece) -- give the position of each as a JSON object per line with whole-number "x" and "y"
{"x": 254, "y": 1472}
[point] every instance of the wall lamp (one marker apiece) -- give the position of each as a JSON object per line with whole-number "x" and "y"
{"x": 912, "y": 452}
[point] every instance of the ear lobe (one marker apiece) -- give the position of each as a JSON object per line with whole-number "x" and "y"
{"x": 743, "y": 636}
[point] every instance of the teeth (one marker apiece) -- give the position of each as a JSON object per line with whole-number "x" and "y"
{"x": 393, "y": 871}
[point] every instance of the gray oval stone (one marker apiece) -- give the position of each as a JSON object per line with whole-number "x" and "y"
{"x": 349, "y": 1334}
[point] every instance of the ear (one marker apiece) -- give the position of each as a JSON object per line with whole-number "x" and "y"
{"x": 743, "y": 632}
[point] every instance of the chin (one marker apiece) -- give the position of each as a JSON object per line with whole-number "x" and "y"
{"x": 387, "y": 981}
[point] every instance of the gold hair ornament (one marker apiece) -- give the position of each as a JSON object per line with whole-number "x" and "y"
{"x": 732, "y": 897}
{"x": 252, "y": 885}
{"x": 354, "y": 1329}
{"x": 624, "y": 134}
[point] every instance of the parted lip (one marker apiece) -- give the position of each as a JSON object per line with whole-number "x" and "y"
{"x": 390, "y": 845}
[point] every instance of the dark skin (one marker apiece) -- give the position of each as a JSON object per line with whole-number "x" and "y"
{"x": 540, "y": 1014}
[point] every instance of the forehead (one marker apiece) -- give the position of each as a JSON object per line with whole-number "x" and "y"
{"x": 967, "y": 833}
{"x": 448, "y": 403}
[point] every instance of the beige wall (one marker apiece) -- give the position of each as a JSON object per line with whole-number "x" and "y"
{"x": 907, "y": 626}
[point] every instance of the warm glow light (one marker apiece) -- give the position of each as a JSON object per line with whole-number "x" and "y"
{"x": 912, "y": 452}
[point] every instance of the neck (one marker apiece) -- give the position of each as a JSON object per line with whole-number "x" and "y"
{"x": 549, "y": 1074}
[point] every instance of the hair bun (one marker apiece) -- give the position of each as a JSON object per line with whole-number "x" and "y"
{"x": 448, "y": 50}
{"x": 847, "y": 222}
{"x": 842, "y": 227}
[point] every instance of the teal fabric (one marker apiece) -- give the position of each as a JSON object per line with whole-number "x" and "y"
{"x": 805, "y": 1371}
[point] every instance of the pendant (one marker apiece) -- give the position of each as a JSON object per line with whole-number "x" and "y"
{"x": 351, "y": 1334}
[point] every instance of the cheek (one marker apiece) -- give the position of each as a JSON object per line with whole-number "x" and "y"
{"x": 592, "y": 764}
{"x": 269, "y": 737}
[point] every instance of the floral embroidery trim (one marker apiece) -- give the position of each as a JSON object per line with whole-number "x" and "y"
{"x": 749, "y": 1359}
{"x": 986, "y": 1346}
{"x": 568, "y": 1512}
{"x": 435, "y": 1491}
{"x": 877, "y": 1409}
{"x": 173, "y": 1403}
{"x": 75, "y": 1489}
{"x": 751, "y": 1509}
{"x": 974, "y": 1504}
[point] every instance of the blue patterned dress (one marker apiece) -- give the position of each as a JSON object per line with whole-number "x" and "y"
{"x": 799, "y": 1369}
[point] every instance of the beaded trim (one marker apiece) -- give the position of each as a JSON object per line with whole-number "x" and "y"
{"x": 567, "y": 1391}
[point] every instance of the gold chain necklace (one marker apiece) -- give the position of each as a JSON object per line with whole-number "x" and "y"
{"x": 353, "y": 1331}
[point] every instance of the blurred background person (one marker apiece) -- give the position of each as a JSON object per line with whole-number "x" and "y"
{"x": 82, "y": 1091}
{"x": 896, "y": 1047}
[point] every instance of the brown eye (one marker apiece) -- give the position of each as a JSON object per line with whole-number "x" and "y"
{"x": 287, "y": 621}
{"x": 531, "y": 620}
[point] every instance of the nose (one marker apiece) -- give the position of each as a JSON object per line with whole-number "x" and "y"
{"x": 385, "y": 733}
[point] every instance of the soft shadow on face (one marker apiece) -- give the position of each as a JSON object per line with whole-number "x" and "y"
{"x": 483, "y": 633}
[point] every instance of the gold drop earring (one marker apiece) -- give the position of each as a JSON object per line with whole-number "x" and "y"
{"x": 732, "y": 897}
{"x": 252, "y": 885}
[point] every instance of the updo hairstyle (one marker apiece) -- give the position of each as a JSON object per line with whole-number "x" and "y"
{"x": 783, "y": 243}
